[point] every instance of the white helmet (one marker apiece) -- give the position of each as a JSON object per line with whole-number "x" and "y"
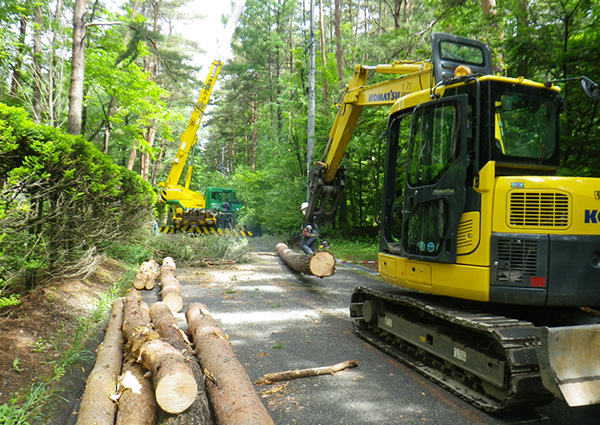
{"x": 304, "y": 207}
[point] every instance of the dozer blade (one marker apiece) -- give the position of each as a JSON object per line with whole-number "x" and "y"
{"x": 569, "y": 359}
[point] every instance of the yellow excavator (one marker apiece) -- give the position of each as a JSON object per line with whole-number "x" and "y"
{"x": 191, "y": 211}
{"x": 493, "y": 260}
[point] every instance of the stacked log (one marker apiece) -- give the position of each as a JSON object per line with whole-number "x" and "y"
{"x": 170, "y": 287}
{"x": 320, "y": 264}
{"x": 166, "y": 326}
{"x": 175, "y": 387}
{"x": 137, "y": 404}
{"x": 161, "y": 369}
{"x": 146, "y": 276}
{"x": 230, "y": 390}
{"x": 97, "y": 406}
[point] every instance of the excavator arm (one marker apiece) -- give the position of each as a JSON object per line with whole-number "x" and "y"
{"x": 326, "y": 178}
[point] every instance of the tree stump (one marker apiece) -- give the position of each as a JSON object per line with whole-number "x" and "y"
{"x": 97, "y": 406}
{"x": 230, "y": 390}
{"x": 199, "y": 412}
{"x": 320, "y": 264}
{"x": 175, "y": 387}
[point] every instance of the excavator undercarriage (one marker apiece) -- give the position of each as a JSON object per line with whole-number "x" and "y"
{"x": 486, "y": 358}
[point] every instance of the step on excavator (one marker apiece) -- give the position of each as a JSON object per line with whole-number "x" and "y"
{"x": 490, "y": 262}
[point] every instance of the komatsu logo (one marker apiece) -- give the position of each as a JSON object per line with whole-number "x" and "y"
{"x": 592, "y": 216}
{"x": 385, "y": 97}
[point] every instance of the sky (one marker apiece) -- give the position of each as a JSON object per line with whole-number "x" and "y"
{"x": 209, "y": 32}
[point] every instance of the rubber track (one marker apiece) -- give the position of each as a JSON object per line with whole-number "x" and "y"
{"x": 517, "y": 338}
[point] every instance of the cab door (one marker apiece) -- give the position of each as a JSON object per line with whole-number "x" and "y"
{"x": 435, "y": 193}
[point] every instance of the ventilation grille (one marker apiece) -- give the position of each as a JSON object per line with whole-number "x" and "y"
{"x": 465, "y": 240}
{"x": 517, "y": 260}
{"x": 539, "y": 209}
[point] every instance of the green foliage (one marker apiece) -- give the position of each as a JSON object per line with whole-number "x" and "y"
{"x": 360, "y": 249}
{"x": 188, "y": 250}
{"x": 63, "y": 200}
{"x": 9, "y": 301}
{"x": 21, "y": 411}
{"x": 132, "y": 254}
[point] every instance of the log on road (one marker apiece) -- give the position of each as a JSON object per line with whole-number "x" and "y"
{"x": 320, "y": 264}
{"x": 137, "y": 405}
{"x": 230, "y": 390}
{"x": 175, "y": 387}
{"x": 166, "y": 326}
{"x": 170, "y": 287}
{"x": 97, "y": 406}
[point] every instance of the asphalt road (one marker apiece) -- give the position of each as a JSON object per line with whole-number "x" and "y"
{"x": 280, "y": 320}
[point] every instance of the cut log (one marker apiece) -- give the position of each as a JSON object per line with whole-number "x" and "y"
{"x": 174, "y": 383}
{"x": 320, "y": 264}
{"x": 146, "y": 276}
{"x": 170, "y": 287}
{"x": 304, "y": 373}
{"x": 97, "y": 406}
{"x": 232, "y": 395}
{"x": 171, "y": 296}
{"x": 166, "y": 326}
{"x": 137, "y": 405}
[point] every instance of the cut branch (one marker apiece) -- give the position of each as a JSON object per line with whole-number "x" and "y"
{"x": 269, "y": 378}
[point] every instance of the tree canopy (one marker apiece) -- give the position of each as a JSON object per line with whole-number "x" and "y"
{"x": 140, "y": 84}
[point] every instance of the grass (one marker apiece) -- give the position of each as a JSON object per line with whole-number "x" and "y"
{"x": 361, "y": 250}
{"x": 71, "y": 347}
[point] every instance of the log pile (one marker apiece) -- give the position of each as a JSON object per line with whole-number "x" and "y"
{"x": 146, "y": 276}
{"x": 156, "y": 377}
{"x": 320, "y": 264}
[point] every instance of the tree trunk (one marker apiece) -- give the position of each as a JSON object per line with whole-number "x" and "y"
{"x": 17, "y": 79}
{"x": 137, "y": 404}
{"x": 77, "y": 68}
{"x": 175, "y": 387}
{"x": 231, "y": 392}
{"x": 132, "y": 156}
{"x": 96, "y": 405}
{"x": 320, "y": 264}
{"x": 339, "y": 55}
{"x": 166, "y": 326}
{"x": 170, "y": 288}
{"x": 37, "y": 66}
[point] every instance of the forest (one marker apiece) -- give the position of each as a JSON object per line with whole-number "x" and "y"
{"x": 95, "y": 94}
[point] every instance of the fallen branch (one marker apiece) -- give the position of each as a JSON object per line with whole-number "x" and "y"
{"x": 269, "y": 378}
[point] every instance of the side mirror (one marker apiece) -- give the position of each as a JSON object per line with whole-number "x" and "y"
{"x": 590, "y": 88}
